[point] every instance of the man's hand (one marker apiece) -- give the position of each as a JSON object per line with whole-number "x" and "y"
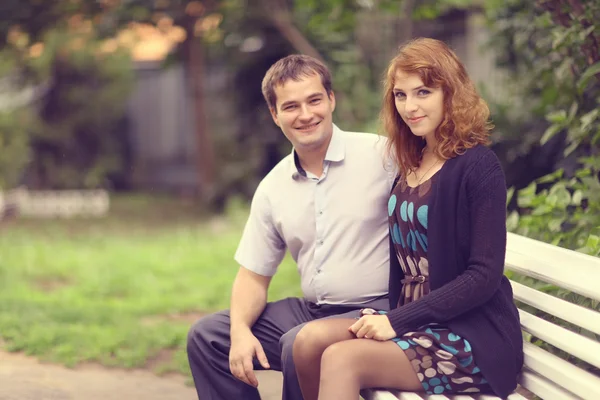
{"x": 376, "y": 327}
{"x": 244, "y": 347}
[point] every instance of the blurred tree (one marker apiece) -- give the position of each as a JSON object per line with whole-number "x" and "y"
{"x": 201, "y": 20}
{"x": 27, "y": 27}
{"x": 551, "y": 49}
{"x": 79, "y": 140}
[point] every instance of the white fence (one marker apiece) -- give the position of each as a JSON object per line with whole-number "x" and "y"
{"x": 55, "y": 203}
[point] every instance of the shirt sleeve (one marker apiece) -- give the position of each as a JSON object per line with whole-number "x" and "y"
{"x": 485, "y": 265}
{"x": 389, "y": 161}
{"x": 261, "y": 248}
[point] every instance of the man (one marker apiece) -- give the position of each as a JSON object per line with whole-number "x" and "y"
{"x": 327, "y": 203}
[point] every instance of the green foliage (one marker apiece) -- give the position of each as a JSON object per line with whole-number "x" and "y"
{"x": 431, "y": 9}
{"x": 552, "y": 51}
{"x": 564, "y": 212}
{"x": 14, "y": 147}
{"x": 78, "y": 142}
{"x": 550, "y": 47}
{"x": 331, "y": 26}
{"x": 36, "y": 17}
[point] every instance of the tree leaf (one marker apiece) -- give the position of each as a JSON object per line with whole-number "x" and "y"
{"x": 550, "y": 132}
{"x": 588, "y": 118}
{"x": 551, "y": 177}
{"x": 593, "y": 242}
{"x": 577, "y": 197}
{"x": 555, "y": 225}
{"x": 542, "y": 209}
{"x": 571, "y": 148}
{"x": 587, "y": 74}
{"x": 557, "y": 116}
{"x": 561, "y": 194}
{"x": 509, "y": 194}
{"x": 573, "y": 111}
{"x": 526, "y": 195}
{"x": 512, "y": 221}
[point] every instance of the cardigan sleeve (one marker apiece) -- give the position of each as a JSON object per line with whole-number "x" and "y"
{"x": 486, "y": 195}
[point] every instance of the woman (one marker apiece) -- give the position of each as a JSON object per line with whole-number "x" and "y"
{"x": 452, "y": 325}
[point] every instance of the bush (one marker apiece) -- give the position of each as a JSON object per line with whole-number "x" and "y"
{"x": 80, "y": 142}
{"x": 14, "y": 147}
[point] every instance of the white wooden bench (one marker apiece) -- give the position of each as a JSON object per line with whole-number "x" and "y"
{"x": 545, "y": 374}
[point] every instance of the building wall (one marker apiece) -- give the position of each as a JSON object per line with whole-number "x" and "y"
{"x": 162, "y": 129}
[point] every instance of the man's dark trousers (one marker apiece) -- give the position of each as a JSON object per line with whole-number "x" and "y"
{"x": 209, "y": 343}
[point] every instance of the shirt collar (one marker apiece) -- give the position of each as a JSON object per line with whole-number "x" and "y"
{"x": 336, "y": 152}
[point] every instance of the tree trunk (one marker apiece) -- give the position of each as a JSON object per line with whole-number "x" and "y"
{"x": 279, "y": 14}
{"x": 195, "y": 75}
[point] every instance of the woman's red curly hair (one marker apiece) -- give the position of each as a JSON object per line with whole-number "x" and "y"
{"x": 465, "y": 123}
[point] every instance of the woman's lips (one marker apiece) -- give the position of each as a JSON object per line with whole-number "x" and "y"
{"x": 415, "y": 120}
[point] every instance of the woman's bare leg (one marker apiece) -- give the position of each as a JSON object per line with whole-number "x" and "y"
{"x": 309, "y": 345}
{"x": 352, "y": 365}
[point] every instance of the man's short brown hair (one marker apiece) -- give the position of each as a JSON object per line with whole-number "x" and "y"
{"x": 294, "y": 67}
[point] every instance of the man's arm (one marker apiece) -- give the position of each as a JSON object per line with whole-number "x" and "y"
{"x": 248, "y": 300}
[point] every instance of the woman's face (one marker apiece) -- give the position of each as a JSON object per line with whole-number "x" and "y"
{"x": 421, "y": 107}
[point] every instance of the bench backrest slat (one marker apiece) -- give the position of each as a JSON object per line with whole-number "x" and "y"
{"x": 568, "y": 269}
{"x": 561, "y": 372}
{"x": 544, "y": 388}
{"x": 578, "y": 345}
{"x": 580, "y": 316}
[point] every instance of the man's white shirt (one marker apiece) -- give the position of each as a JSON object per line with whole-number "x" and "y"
{"x": 335, "y": 226}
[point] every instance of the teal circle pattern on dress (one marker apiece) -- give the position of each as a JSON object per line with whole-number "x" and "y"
{"x": 449, "y": 349}
{"x": 422, "y": 240}
{"x": 411, "y": 209}
{"x": 424, "y": 237}
{"x": 396, "y": 237}
{"x": 435, "y": 381}
{"x": 403, "y": 207}
{"x": 403, "y": 345}
{"x": 422, "y": 215}
{"x": 466, "y": 361}
{"x": 437, "y": 335}
{"x": 453, "y": 337}
{"x": 411, "y": 241}
{"x": 392, "y": 204}
{"x": 467, "y": 346}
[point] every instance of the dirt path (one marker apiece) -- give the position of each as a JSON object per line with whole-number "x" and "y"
{"x": 25, "y": 378}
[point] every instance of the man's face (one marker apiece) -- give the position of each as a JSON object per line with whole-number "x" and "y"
{"x": 304, "y": 113}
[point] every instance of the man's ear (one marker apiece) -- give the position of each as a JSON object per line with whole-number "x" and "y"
{"x": 274, "y": 115}
{"x": 332, "y": 99}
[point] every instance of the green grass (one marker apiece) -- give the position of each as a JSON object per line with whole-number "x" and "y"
{"x": 123, "y": 289}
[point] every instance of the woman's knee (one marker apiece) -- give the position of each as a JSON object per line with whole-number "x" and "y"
{"x": 337, "y": 354}
{"x": 313, "y": 338}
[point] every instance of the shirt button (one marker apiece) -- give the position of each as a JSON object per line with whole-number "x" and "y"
{"x": 320, "y": 242}
{"x": 321, "y": 212}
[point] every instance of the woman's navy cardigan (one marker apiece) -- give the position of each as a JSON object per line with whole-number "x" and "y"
{"x": 466, "y": 252}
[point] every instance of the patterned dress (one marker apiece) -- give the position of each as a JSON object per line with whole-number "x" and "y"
{"x": 442, "y": 360}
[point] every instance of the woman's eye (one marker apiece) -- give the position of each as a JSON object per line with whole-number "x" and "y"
{"x": 424, "y": 92}
{"x": 399, "y": 95}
